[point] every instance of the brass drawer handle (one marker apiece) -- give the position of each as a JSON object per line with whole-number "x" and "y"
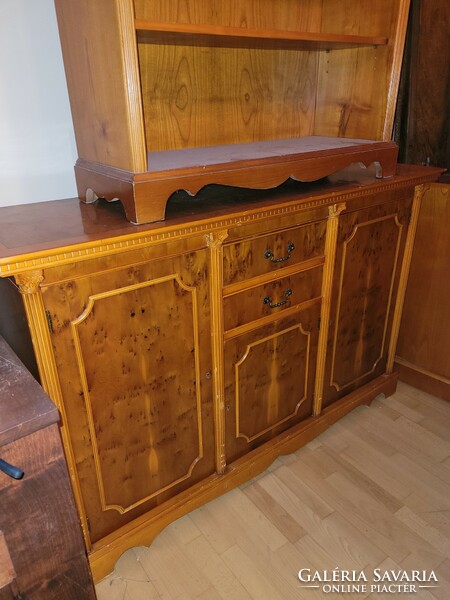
{"x": 268, "y": 254}
{"x": 268, "y": 299}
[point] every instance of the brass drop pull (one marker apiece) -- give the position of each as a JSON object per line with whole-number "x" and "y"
{"x": 268, "y": 299}
{"x": 268, "y": 254}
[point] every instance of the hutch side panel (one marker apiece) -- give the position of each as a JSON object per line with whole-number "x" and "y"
{"x": 100, "y": 61}
{"x": 132, "y": 346}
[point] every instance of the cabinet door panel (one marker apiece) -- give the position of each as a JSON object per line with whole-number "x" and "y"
{"x": 151, "y": 423}
{"x": 269, "y": 379}
{"x": 369, "y": 254}
{"x": 140, "y": 420}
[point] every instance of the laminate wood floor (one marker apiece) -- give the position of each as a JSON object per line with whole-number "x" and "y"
{"x": 371, "y": 493}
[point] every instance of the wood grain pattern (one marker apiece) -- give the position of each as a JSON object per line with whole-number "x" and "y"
{"x": 289, "y": 15}
{"x": 254, "y": 95}
{"x": 327, "y": 287}
{"x": 144, "y": 529}
{"x": 369, "y": 254}
{"x": 160, "y": 401}
{"x": 368, "y": 303}
{"x": 269, "y": 375}
{"x": 24, "y": 405}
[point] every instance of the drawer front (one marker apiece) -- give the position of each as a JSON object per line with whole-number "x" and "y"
{"x": 272, "y": 297}
{"x": 264, "y": 254}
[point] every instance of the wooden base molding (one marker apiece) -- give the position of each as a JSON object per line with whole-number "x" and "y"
{"x": 429, "y": 382}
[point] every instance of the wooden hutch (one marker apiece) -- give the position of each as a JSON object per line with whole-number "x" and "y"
{"x": 185, "y": 355}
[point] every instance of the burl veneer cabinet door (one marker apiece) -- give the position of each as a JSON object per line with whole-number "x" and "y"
{"x": 369, "y": 256}
{"x": 132, "y": 347}
{"x": 269, "y": 380}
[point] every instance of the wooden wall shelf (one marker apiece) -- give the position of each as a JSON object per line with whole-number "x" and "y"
{"x": 207, "y": 35}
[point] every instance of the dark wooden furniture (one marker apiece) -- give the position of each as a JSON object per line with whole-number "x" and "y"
{"x": 423, "y": 122}
{"x": 8, "y": 583}
{"x": 38, "y": 517}
{"x": 423, "y": 352}
{"x": 185, "y": 356}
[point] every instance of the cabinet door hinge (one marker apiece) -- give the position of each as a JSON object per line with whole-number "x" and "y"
{"x": 49, "y": 321}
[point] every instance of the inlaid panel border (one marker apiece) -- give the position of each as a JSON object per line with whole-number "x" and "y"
{"x": 110, "y": 505}
{"x": 241, "y": 361}
{"x": 353, "y": 234}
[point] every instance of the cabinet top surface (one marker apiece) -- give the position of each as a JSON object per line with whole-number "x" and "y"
{"x": 24, "y": 405}
{"x": 29, "y": 233}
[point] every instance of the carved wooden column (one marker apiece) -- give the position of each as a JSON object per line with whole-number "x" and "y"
{"x": 215, "y": 244}
{"x": 29, "y": 287}
{"x": 327, "y": 282}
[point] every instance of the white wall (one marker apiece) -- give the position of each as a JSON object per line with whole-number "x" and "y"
{"x": 37, "y": 144}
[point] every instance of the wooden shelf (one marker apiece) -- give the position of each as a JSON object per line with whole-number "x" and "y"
{"x": 214, "y": 35}
{"x": 256, "y": 152}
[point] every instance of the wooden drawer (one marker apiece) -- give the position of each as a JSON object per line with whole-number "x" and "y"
{"x": 268, "y": 253}
{"x": 272, "y": 297}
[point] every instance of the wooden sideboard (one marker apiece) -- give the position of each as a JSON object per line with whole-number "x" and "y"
{"x": 41, "y": 543}
{"x": 185, "y": 356}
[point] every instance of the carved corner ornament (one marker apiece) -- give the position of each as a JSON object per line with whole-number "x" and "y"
{"x": 335, "y": 210}
{"x": 216, "y": 239}
{"x": 29, "y": 282}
